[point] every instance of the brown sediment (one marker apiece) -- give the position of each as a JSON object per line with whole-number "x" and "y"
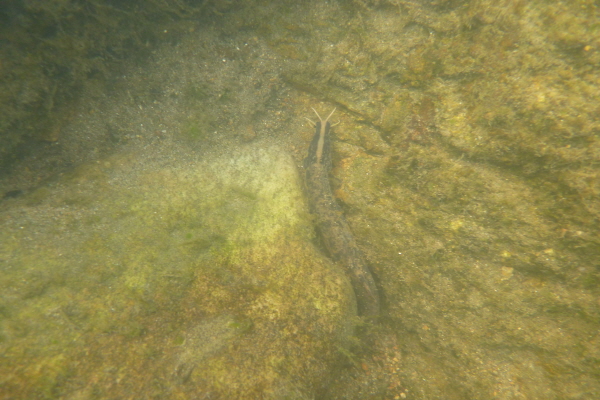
{"x": 331, "y": 224}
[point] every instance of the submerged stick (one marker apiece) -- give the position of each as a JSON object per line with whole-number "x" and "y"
{"x": 332, "y": 225}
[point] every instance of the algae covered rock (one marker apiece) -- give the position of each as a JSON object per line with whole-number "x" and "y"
{"x": 169, "y": 279}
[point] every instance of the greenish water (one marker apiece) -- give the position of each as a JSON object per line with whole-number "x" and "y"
{"x": 178, "y": 258}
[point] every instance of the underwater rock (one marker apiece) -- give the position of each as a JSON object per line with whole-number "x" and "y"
{"x": 194, "y": 280}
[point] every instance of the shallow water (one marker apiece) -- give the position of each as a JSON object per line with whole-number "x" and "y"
{"x": 162, "y": 246}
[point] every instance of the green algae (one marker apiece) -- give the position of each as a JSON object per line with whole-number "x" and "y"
{"x": 466, "y": 163}
{"x": 214, "y": 257}
{"x": 479, "y": 211}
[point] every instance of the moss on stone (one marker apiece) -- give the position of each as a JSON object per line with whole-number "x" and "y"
{"x": 215, "y": 257}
